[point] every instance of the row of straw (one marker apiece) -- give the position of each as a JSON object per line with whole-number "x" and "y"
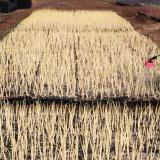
{"x": 109, "y": 132}
{"x": 69, "y": 53}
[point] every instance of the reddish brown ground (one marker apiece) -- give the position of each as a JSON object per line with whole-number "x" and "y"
{"x": 145, "y": 25}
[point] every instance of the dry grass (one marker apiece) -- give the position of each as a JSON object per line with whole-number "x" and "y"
{"x": 65, "y": 53}
{"x": 102, "y": 132}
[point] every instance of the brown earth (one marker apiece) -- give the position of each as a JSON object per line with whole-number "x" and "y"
{"x": 144, "y": 24}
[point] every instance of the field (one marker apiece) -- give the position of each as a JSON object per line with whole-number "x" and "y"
{"x": 80, "y": 54}
{"x": 100, "y": 132}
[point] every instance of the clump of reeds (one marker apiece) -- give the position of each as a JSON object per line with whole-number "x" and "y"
{"x": 70, "y": 53}
{"x": 85, "y": 132}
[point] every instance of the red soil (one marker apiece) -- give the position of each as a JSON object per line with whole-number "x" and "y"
{"x": 145, "y": 25}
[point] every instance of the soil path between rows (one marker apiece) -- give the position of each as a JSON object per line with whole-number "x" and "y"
{"x": 143, "y": 24}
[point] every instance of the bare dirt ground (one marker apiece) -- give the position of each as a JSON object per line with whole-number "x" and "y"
{"x": 144, "y": 24}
